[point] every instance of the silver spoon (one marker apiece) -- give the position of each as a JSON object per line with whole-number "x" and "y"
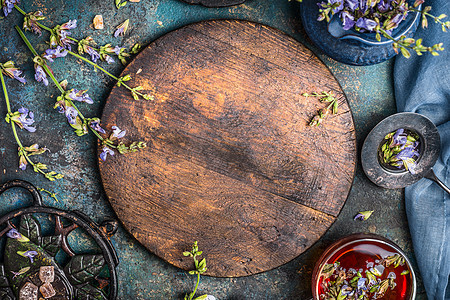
{"x": 430, "y": 148}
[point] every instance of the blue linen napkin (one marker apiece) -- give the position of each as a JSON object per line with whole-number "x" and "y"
{"x": 422, "y": 85}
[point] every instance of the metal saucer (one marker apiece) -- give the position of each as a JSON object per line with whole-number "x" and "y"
{"x": 430, "y": 141}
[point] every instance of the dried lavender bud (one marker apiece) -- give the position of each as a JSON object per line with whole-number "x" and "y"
{"x": 400, "y": 150}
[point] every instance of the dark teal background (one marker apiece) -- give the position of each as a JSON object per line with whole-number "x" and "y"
{"x": 142, "y": 275}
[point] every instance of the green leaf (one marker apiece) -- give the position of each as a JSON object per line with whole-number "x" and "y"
{"x": 202, "y": 297}
{"x": 51, "y": 244}
{"x": 88, "y": 292}
{"x": 29, "y": 227}
{"x": 405, "y": 52}
{"x": 82, "y": 268}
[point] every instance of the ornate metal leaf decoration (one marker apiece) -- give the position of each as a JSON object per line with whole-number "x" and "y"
{"x": 30, "y": 228}
{"x": 51, "y": 244}
{"x": 88, "y": 292}
{"x": 5, "y": 291}
{"x": 83, "y": 268}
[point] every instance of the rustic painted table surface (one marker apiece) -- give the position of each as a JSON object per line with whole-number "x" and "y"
{"x": 143, "y": 275}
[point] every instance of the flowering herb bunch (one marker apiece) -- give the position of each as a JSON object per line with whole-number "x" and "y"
{"x": 400, "y": 149}
{"x": 374, "y": 281}
{"x": 382, "y": 17}
{"x": 24, "y": 119}
{"x": 65, "y": 104}
{"x": 60, "y": 38}
{"x": 200, "y": 268}
{"x": 332, "y": 107}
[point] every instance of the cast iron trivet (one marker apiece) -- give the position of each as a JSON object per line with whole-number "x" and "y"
{"x": 39, "y": 260}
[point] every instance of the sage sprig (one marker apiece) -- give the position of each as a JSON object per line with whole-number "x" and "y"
{"x": 200, "y": 268}
{"x": 24, "y": 119}
{"x": 60, "y": 37}
{"x": 326, "y": 97}
{"x": 82, "y": 125}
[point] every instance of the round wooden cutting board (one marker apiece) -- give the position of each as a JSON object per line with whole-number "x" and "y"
{"x": 231, "y": 162}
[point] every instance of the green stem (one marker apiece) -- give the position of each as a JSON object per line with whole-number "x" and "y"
{"x": 55, "y": 81}
{"x": 92, "y": 63}
{"x": 428, "y": 15}
{"x": 39, "y": 24}
{"x": 44, "y": 65}
{"x": 104, "y": 71}
{"x": 196, "y": 286}
{"x": 13, "y": 125}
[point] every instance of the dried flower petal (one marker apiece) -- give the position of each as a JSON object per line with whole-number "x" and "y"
{"x": 14, "y": 234}
{"x": 29, "y": 254}
{"x": 105, "y": 153}
{"x": 364, "y": 215}
{"x": 122, "y": 28}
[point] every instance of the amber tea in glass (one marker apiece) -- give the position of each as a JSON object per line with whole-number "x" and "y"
{"x": 364, "y": 264}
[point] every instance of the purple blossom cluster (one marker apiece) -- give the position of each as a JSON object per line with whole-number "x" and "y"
{"x": 9, "y": 69}
{"x": 115, "y": 135}
{"x": 23, "y": 118}
{"x": 61, "y": 33}
{"x": 401, "y": 149}
{"x": 51, "y": 54}
{"x": 8, "y": 6}
{"x": 366, "y": 15}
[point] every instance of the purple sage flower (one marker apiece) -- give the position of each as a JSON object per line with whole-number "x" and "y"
{"x": 25, "y": 119}
{"x": 17, "y": 74}
{"x": 362, "y": 284}
{"x": 9, "y": 69}
{"x": 94, "y": 54}
{"x": 408, "y": 152}
{"x": 71, "y": 24}
{"x": 40, "y": 75}
{"x": 367, "y": 24}
{"x": 14, "y": 234}
{"x": 122, "y": 28}
{"x": 105, "y": 153}
{"x": 117, "y": 133}
{"x": 22, "y": 163}
{"x": 399, "y": 138}
{"x": 364, "y": 215}
{"x": 51, "y": 54}
{"x": 338, "y": 8}
{"x": 95, "y": 124}
{"x": 117, "y": 50}
{"x": 81, "y": 96}
{"x": 352, "y": 4}
{"x": 29, "y": 254}
{"x": 71, "y": 114}
{"x": 397, "y": 19}
{"x": 109, "y": 59}
{"x": 8, "y": 6}
{"x": 384, "y": 6}
{"x": 347, "y": 20}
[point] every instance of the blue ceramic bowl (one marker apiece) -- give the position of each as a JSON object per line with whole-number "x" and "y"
{"x": 335, "y": 28}
{"x": 356, "y": 48}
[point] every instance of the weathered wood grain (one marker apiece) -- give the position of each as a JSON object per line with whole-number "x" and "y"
{"x": 231, "y": 161}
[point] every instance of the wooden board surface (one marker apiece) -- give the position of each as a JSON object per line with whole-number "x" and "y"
{"x": 231, "y": 162}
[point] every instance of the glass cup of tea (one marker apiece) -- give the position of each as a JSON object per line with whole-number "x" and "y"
{"x": 363, "y": 266}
